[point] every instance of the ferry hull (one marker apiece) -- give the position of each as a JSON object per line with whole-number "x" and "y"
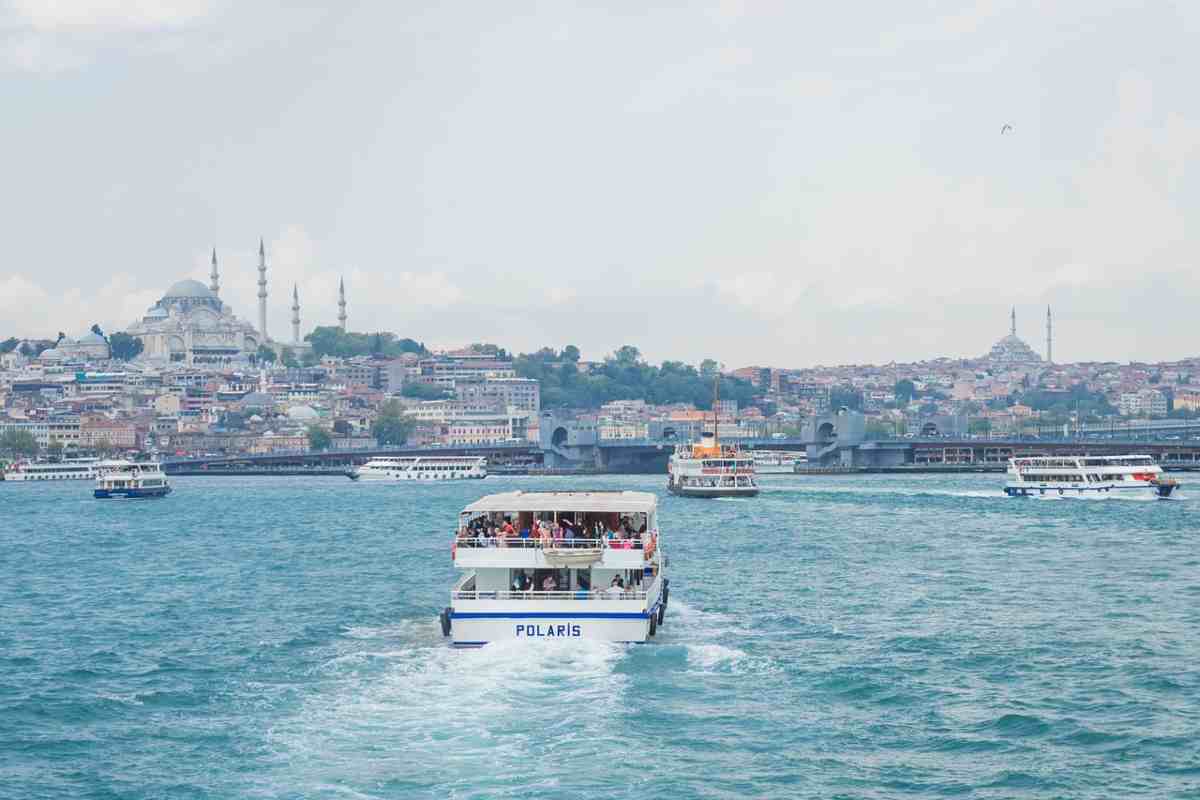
{"x": 1162, "y": 491}
{"x": 698, "y": 491}
{"x": 367, "y": 477}
{"x": 475, "y": 629}
{"x": 133, "y": 494}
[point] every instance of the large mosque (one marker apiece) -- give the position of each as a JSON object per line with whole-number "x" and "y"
{"x": 1012, "y": 351}
{"x": 191, "y": 325}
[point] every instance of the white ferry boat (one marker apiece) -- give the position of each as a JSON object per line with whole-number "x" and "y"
{"x": 421, "y": 468}
{"x": 777, "y": 462}
{"x": 72, "y": 469}
{"x": 557, "y": 565}
{"x": 131, "y": 479}
{"x": 1082, "y": 475}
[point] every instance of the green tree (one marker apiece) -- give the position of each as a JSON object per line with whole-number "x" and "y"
{"x": 331, "y": 340}
{"x": 318, "y": 438}
{"x": 309, "y": 359}
{"x": 879, "y": 429}
{"x": 124, "y": 347}
{"x": 905, "y": 390}
{"x": 627, "y": 355}
{"x": 9, "y": 344}
{"x": 845, "y": 397}
{"x": 96, "y": 329}
{"x": 18, "y": 442}
{"x": 265, "y": 354}
{"x": 233, "y": 421}
{"x": 289, "y": 358}
{"x": 422, "y": 391}
{"x": 55, "y": 450}
{"x": 981, "y": 427}
{"x": 342, "y": 428}
{"x": 391, "y": 427}
{"x": 570, "y": 353}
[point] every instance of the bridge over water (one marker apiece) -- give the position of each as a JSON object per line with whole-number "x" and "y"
{"x": 649, "y": 456}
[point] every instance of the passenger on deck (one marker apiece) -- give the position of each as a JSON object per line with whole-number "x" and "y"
{"x": 568, "y": 535}
{"x": 550, "y": 584}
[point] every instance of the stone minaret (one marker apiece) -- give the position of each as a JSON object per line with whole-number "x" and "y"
{"x": 295, "y": 315}
{"x": 214, "y": 282}
{"x": 1049, "y": 337}
{"x": 342, "y": 304}
{"x": 262, "y": 292}
{"x": 1014, "y": 321}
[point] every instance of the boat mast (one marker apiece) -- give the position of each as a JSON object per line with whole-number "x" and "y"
{"x": 716, "y": 404}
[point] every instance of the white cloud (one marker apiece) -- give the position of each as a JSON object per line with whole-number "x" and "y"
{"x": 108, "y": 15}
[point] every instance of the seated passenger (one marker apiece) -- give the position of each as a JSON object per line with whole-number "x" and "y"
{"x": 550, "y": 584}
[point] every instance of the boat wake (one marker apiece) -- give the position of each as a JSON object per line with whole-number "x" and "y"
{"x": 398, "y": 702}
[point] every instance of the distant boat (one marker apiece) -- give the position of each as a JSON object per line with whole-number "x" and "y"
{"x": 131, "y": 479}
{"x": 421, "y": 468}
{"x": 1083, "y": 475}
{"x": 72, "y": 469}
{"x": 709, "y": 469}
{"x": 778, "y": 462}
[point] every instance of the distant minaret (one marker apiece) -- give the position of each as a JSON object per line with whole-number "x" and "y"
{"x": 214, "y": 281}
{"x": 342, "y": 304}
{"x": 1014, "y": 321}
{"x": 295, "y": 315}
{"x": 1049, "y": 337}
{"x": 262, "y": 291}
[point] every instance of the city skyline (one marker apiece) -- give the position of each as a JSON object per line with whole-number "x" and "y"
{"x": 838, "y": 194}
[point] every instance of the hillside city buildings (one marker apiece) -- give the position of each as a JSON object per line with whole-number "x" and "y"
{"x": 198, "y": 387}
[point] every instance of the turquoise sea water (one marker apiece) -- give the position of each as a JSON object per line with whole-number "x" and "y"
{"x": 837, "y": 637}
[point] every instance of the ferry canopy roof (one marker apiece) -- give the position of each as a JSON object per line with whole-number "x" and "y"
{"x": 620, "y": 502}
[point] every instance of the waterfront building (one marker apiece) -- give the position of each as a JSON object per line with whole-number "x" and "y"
{"x": 1150, "y": 402}
{"x": 520, "y": 394}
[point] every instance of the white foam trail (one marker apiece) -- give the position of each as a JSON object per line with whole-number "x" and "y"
{"x": 431, "y": 714}
{"x": 707, "y": 656}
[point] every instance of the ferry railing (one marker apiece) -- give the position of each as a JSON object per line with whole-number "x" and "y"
{"x": 532, "y": 543}
{"x": 581, "y": 594}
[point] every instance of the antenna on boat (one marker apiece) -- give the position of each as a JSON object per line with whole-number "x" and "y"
{"x": 716, "y": 405}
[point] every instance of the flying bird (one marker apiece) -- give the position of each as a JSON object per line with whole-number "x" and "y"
{"x": 1006, "y": 129}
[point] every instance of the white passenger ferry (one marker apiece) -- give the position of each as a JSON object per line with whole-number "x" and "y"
{"x": 778, "y": 462}
{"x": 709, "y": 469}
{"x": 131, "y": 479}
{"x": 421, "y": 468}
{"x": 557, "y": 565}
{"x": 72, "y": 469}
{"x": 1082, "y": 475}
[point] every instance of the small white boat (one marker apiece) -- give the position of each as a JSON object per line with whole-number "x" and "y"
{"x": 71, "y": 469}
{"x": 131, "y": 479}
{"x": 778, "y": 462}
{"x": 557, "y": 565}
{"x": 1084, "y": 475}
{"x": 421, "y": 468}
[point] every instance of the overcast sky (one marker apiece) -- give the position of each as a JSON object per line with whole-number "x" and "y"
{"x": 761, "y": 183}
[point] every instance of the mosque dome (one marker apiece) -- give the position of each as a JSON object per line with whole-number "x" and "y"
{"x": 51, "y": 354}
{"x": 90, "y": 338}
{"x": 190, "y": 288}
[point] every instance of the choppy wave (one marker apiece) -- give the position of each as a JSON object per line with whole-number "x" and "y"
{"x": 848, "y": 636}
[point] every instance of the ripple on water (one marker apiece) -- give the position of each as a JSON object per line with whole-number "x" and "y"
{"x": 843, "y": 636}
